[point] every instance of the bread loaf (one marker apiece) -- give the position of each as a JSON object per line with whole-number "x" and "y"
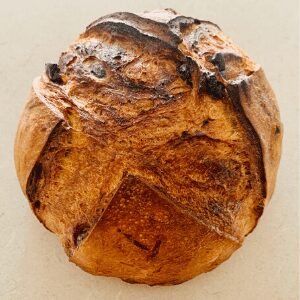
{"x": 151, "y": 148}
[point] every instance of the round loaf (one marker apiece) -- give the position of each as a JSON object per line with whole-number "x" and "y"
{"x": 151, "y": 148}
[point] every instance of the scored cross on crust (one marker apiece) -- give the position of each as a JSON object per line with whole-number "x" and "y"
{"x": 151, "y": 148}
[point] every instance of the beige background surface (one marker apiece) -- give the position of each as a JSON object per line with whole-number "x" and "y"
{"x": 32, "y": 263}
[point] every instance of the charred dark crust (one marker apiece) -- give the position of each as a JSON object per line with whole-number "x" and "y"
{"x": 205, "y": 122}
{"x": 209, "y": 84}
{"x": 185, "y": 71}
{"x": 218, "y": 61}
{"x": 146, "y": 42}
{"x": 37, "y": 204}
{"x": 215, "y": 87}
{"x": 53, "y": 73}
{"x": 169, "y": 33}
{"x": 234, "y": 95}
{"x": 166, "y": 38}
{"x": 145, "y": 25}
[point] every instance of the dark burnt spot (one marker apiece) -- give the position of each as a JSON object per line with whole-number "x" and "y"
{"x": 277, "y": 130}
{"x": 98, "y": 70}
{"x": 218, "y": 61}
{"x": 155, "y": 249}
{"x": 210, "y": 84}
{"x": 37, "y": 204}
{"x": 215, "y": 87}
{"x": 259, "y": 209}
{"x": 80, "y": 232}
{"x": 205, "y": 122}
{"x": 183, "y": 25}
{"x": 53, "y": 73}
{"x": 38, "y": 170}
{"x": 185, "y": 135}
{"x": 185, "y": 72}
{"x": 202, "y": 83}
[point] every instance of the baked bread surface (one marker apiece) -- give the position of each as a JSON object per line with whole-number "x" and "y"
{"x": 151, "y": 148}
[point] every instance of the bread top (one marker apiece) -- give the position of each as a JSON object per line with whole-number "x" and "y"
{"x": 160, "y": 97}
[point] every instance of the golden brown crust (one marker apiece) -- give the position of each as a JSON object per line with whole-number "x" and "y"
{"x": 259, "y": 104}
{"x": 37, "y": 123}
{"x": 133, "y": 237}
{"x": 152, "y": 147}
